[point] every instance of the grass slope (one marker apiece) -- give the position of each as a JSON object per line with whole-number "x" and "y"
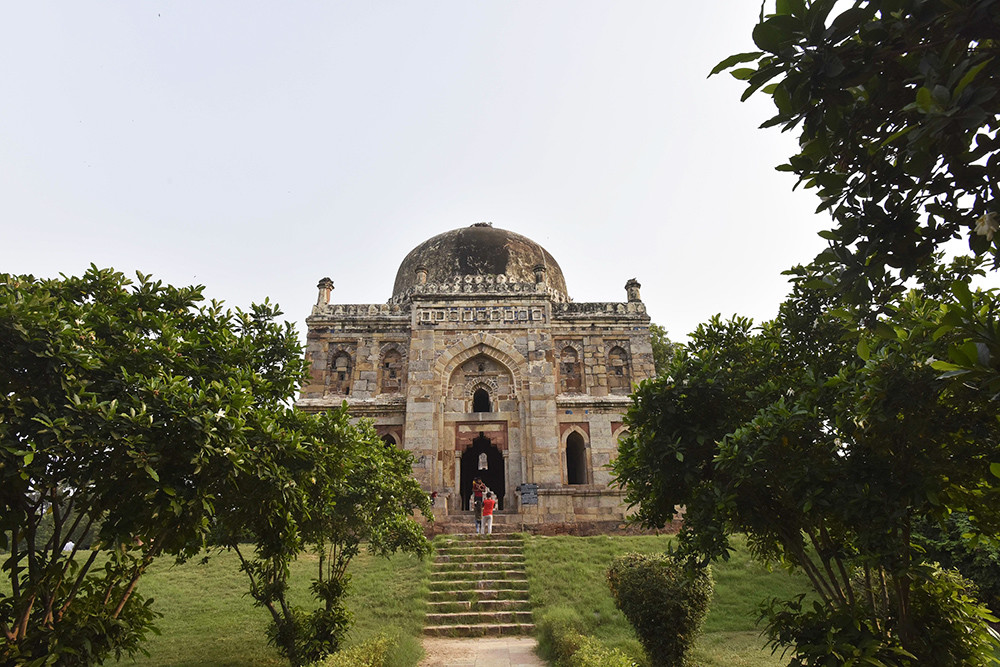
{"x": 567, "y": 577}
{"x": 208, "y": 621}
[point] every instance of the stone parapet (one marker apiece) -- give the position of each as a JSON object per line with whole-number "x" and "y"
{"x": 600, "y": 310}
{"x": 360, "y": 310}
{"x": 487, "y": 285}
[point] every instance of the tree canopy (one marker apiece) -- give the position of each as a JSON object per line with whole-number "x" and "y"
{"x": 897, "y": 105}
{"x": 863, "y": 410}
{"x": 824, "y": 447}
{"x": 136, "y": 421}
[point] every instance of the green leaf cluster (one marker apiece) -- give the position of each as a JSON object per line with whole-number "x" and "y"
{"x": 896, "y": 104}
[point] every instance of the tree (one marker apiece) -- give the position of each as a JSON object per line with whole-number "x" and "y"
{"x": 346, "y": 488}
{"x": 136, "y": 422}
{"x": 663, "y": 347}
{"x": 123, "y": 413}
{"x": 824, "y": 445}
{"x": 897, "y": 107}
{"x": 839, "y": 435}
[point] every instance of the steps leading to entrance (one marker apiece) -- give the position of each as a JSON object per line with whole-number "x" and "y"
{"x": 464, "y": 521}
{"x": 478, "y": 587}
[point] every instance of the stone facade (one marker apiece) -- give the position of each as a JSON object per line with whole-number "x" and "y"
{"x": 481, "y": 365}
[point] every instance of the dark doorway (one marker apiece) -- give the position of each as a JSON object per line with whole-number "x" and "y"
{"x": 492, "y": 476}
{"x": 576, "y": 459}
{"x": 481, "y": 401}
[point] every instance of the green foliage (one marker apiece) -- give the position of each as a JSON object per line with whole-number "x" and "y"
{"x": 339, "y": 488}
{"x": 897, "y": 106}
{"x": 136, "y": 422}
{"x": 593, "y": 653}
{"x": 823, "y": 444}
{"x": 125, "y": 410}
{"x": 664, "y": 599}
{"x": 949, "y": 543}
{"x": 663, "y": 347}
{"x": 371, "y": 653}
{"x": 566, "y": 576}
{"x": 951, "y": 622}
{"x": 561, "y": 630}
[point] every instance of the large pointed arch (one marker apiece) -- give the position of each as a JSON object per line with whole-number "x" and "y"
{"x": 481, "y": 343}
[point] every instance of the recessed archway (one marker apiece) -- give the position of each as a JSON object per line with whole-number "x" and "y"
{"x": 485, "y": 461}
{"x": 576, "y": 459}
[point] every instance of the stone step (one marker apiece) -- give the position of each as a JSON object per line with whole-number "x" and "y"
{"x": 478, "y": 558}
{"x": 490, "y": 630}
{"x": 451, "y": 526}
{"x": 478, "y": 588}
{"x": 461, "y": 549}
{"x": 475, "y": 546}
{"x": 479, "y": 618}
{"x": 478, "y": 585}
{"x": 479, "y": 566}
{"x": 454, "y": 606}
{"x": 478, "y": 594}
{"x": 460, "y": 575}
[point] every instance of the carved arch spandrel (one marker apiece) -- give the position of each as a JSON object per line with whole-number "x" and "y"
{"x": 476, "y": 344}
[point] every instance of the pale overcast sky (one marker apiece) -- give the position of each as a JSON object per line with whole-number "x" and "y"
{"x": 255, "y": 147}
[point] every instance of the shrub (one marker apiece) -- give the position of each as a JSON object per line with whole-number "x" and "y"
{"x": 592, "y": 653}
{"x": 372, "y": 653}
{"x": 664, "y": 600}
{"x": 952, "y": 628}
{"x": 979, "y": 563}
{"x": 560, "y": 634}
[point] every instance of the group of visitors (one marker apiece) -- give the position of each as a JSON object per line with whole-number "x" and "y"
{"x": 483, "y": 503}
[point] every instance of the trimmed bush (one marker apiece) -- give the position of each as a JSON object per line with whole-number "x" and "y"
{"x": 561, "y": 636}
{"x": 372, "y": 653}
{"x": 592, "y": 653}
{"x": 664, "y": 600}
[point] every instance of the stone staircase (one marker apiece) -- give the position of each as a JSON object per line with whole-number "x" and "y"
{"x": 478, "y": 587}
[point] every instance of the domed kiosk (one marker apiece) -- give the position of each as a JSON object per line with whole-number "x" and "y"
{"x": 481, "y": 366}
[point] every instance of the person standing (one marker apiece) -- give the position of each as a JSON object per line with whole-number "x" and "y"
{"x": 478, "y": 489}
{"x": 488, "y": 506}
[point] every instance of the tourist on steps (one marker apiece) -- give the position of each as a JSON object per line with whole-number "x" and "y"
{"x": 478, "y": 490}
{"x": 488, "y": 506}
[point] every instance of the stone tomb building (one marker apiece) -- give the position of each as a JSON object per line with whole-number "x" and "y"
{"x": 482, "y": 366}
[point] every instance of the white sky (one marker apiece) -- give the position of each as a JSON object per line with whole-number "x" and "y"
{"x": 256, "y": 147}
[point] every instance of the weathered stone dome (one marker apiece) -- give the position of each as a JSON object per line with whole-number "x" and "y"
{"x": 476, "y": 254}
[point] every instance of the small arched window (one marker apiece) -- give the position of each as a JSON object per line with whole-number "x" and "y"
{"x": 392, "y": 372}
{"x": 389, "y": 439}
{"x": 570, "y": 371}
{"x": 481, "y": 401}
{"x": 340, "y": 374}
{"x": 619, "y": 375}
{"x": 576, "y": 459}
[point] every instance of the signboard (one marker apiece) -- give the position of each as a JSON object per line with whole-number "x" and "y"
{"x": 529, "y": 494}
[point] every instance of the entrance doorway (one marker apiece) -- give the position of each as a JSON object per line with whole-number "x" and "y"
{"x": 472, "y": 467}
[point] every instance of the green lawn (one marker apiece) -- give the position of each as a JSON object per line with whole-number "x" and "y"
{"x": 208, "y": 621}
{"x": 568, "y": 574}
